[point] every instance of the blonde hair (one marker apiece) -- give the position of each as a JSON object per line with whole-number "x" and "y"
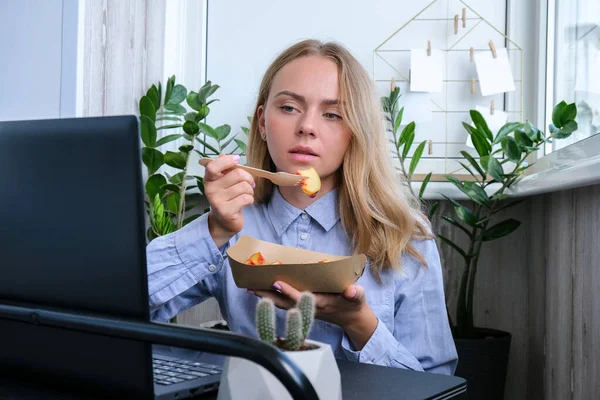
{"x": 377, "y": 210}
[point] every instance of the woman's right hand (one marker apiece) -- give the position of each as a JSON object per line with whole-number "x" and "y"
{"x": 228, "y": 191}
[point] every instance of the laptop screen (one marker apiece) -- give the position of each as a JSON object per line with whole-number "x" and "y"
{"x": 72, "y": 237}
{"x": 71, "y": 212}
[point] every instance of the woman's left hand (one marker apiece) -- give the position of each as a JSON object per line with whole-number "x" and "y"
{"x": 348, "y": 310}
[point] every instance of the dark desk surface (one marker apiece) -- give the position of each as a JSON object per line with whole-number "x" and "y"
{"x": 359, "y": 382}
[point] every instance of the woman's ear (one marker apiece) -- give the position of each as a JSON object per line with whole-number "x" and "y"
{"x": 260, "y": 114}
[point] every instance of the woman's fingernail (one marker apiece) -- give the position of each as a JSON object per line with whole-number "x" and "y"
{"x": 277, "y": 286}
{"x": 250, "y": 291}
{"x": 236, "y": 158}
{"x": 253, "y": 184}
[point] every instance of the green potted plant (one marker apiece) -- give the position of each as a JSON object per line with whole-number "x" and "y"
{"x": 483, "y": 353}
{"x": 243, "y": 379}
{"x": 173, "y": 197}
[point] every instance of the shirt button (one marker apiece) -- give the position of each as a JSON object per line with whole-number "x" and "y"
{"x": 304, "y": 236}
{"x": 304, "y": 216}
{"x": 212, "y": 268}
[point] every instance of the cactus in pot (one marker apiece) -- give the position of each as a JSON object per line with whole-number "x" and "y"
{"x": 298, "y": 323}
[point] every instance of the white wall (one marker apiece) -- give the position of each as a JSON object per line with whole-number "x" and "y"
{"x": 38, "y": 51}
{"x": 244, "y": 37}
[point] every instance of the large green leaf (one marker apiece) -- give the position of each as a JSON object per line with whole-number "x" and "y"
{"x": 456, "y": 182}
{"x": 206, "y": 91}
{"x": 152, "y": 158}
{"x": 495, "y": 170}
{"x": 474, "y": 163}
{"x": 186, "y": 148}
{"x": 153, "y": 95}
{"x": 169, "y": 89}
{"x": 175, "y": 160}
{"x": 222, "y": 131}
{"x": 558, "y": 112}
{"x": 565, "y": 131}
{"x": 456, "y": 224}
{"x": 453, "y": 245}
{"x": 241, "y": 144}
{"x": 480, "y": 124}
{"x": 501, "y": 229}
{"x": 178, "y": 94}
{"x": 154, "y": 185}
{"x": 177, "y": 178}
{"x": 477, "y": 194}
{"x": 569, "y": 113}
{"x": 407, "y": 132}
{"x": 191, "y": 128}
{"x": 171, "y": 126}
{"x": 415, "y": 158}
{"x": 167, "y": 139}
{"x": 207, "y": 145}
{"x": 208, "y": 130}
{"x": 148, "y": 131}
{"x": 190, "y": 116}
{"x": 511, "y": 149}
{"x": 506, "y": 129}
{"x": 176, "y": 108}
{"x": 466, "y": 215}
{"x": 398, "y": 121}
{"x": 194, "y": 101}
{"x": 424, "y": 184}
{"x": 478, "y": 138}
{"x": 170, "y": 187}
{"x": 172, "y": 201}
{"x": 522, "y": 138}
{"x": 147, "y": 108}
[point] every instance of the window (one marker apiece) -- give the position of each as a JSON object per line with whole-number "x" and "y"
{"x": 573, "y": 68}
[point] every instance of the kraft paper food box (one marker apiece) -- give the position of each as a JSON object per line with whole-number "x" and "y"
{"x": 301, "y": 268}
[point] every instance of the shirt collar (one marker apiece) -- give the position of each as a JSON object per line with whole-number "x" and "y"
{"x": 325, "y": 211}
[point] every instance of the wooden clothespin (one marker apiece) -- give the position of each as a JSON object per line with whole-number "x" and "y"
{"x": 428, "y": 48}
{"x": 471, "y": 54}
{"x": 456, "y": 24}
{"x": 493, "y": 48}
{"x": 473, "y": 86}
{"x": 430, "y": 147}
{"x": 492, "y": 107}
{"x": 393, "y": 84}
{"x": 464, "y": 17}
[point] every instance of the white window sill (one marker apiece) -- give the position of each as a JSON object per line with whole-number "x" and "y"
{"x": 570, "y": 167}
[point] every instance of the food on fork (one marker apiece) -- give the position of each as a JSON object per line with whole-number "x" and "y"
{"x": 312, "y": 184}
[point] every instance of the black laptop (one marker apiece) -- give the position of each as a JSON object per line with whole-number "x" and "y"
{"x": 72, "y": 237}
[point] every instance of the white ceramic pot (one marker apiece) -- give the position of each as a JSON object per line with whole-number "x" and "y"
{"x": 243, "y": 379}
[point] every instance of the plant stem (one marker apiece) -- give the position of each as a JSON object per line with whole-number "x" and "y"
{"x": 182, "y": 189}
{"x": 461, "y": 306}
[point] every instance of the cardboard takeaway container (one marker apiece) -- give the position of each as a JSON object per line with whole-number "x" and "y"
{"x": 301, "y": 268}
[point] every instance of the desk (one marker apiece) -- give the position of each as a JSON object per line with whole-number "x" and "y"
{"x": 359, "y": 382}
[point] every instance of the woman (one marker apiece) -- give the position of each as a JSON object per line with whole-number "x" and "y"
{"x": 317, "y": 108}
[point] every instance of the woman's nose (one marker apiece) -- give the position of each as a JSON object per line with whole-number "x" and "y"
{"x": 307, "y": 124}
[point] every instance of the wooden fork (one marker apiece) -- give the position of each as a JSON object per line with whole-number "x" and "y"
{"x": 278, "y": 178}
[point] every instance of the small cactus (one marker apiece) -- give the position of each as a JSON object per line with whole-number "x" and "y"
{"x": 298, "y": 321}
{"x": 265, "y": 320}
{"x": 293, "y": 328}
{"x": 306, "y": 305}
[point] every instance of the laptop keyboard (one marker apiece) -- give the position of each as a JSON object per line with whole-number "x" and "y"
{"x": 169, "y": 372}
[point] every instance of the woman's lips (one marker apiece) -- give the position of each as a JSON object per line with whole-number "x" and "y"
{"x": 302, "y": 157}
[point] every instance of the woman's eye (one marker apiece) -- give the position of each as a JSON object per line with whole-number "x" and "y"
{"x": 288, "y": 109}
{"x": 332, "y": 116}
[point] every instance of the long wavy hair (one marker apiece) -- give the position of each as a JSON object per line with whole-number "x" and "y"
{"x": 377, "y": 211}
